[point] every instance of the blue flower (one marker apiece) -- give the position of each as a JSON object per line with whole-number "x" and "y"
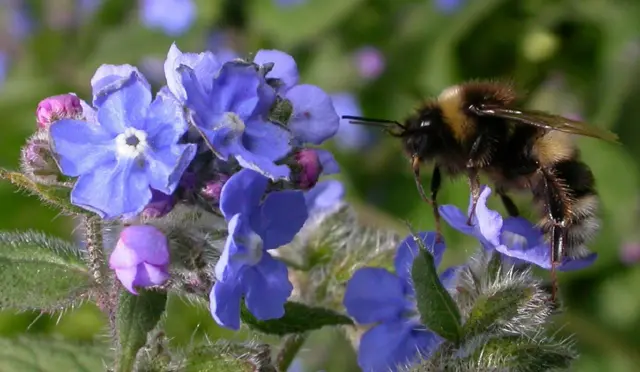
{"x": 129, "y": 147}
{"x": 314, "y": 119}
{"x": 377, "y": 296}
{"x": 246, "y": 268}
{"x": 350, "y": 136}
{"x": 110, "y": 77}
{"x": 325, "y": 197}
{"x": 4, "y": 67}
{"x": 21, "y": 20}
{"x": 448, "y": 6}
{"x": 514, "y": 237}
{"x": 174, "y": 17}
{"x": 288, "y": 3}
{"x": 230, "y": 105}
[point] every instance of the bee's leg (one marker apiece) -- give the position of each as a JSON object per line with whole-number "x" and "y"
{"x": 436, "y": 182}
{"x": 474, "y": 186}
{"x": 556, "y": 214}
{"x": 509, "y": 205}
{"x": 474, "y": 179}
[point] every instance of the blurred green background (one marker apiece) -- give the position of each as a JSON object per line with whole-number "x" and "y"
{"x": 577, "y": 58}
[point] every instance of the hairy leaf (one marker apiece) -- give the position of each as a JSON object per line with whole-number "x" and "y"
{"x": 40, "y": 272}
{"x": 54, "y": 195}
{"x": 437, "y": 309}
{"x": 495, "y": 309}
{"x": 523, "y": 353}
{"x": 30, "y": 354}
{"x": 298, "y": 318}
{"x": 215, "y": 358}
{"x": 136, "y": 316}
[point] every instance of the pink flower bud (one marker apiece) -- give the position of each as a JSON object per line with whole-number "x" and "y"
{"x": 212, "y": 189}
{"x": 309, "y": 168}
{"x": 141, "y": 257}
{"x": 64, "y": 106}
{"x": 36, "y": 159}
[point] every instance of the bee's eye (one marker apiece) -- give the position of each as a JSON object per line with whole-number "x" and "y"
{"x": 425, "y": 123}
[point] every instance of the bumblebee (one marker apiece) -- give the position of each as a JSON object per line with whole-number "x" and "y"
{"x": 475, "y": 128}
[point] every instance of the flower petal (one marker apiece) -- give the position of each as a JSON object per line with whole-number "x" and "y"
{"x": 166, "y": 166}
{"x": 166, "y": 122}
{"x": 150, "y": 275}
{"x": 456, "y": 219}
{"x": 408, "y": 250}
{"x": 106, "y": 75}
{"x": 127, "y": 277}
{"x": 392, "y": 345}
{"x": 284, "y": 67}
{"x": 90, "y": 114}
{"x": 329, "y": 163}
{"x": 205, "y": 66}
{"x": 138, "y": 244}
{"x": 242, "y": 248}
{"x": 80, "y": 146}
{"x": 374, "y": 295}
{"x": 125, "y": 107}
{"x": 224, "y": 302}
{"x": 314, "y": 118}
{"x": 112, "y": 190}
{"x": 448, "y": 277}
{"x": 281, "y": 217}
{"x": 266, "y": 140}
{"x": 242, "y": 192}
{"x": 264, "y": 166}
{"x": 236, "y": 89}
{"x": 267, "y": 288}
{"x": 324, "y": 196}
{"x": 487, "y": 222}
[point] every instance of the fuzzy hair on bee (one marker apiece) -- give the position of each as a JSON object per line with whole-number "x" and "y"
{"x": 475, "y": 128}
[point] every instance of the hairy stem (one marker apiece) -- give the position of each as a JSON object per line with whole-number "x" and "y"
{"x": 290, "y": 347}
{"x": 97, "y": 265}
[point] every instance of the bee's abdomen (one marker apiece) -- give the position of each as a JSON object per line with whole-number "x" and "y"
{"x": 574, "y": 186}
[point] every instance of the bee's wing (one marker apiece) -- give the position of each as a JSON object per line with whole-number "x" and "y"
{"x": 545, "y": 120}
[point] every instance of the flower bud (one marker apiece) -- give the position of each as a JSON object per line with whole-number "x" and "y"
{"x": 159, "y": 206}
{"x": 141, "y": 257}
{"x": 51, "y": 109}
{"x": 308, "y": 168}
{"x": 213, "y": 189}
{"x": 36, "y": 159}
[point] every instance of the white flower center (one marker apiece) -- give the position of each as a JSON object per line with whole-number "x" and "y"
{"x": 253, "y": 243}
{"x": 232, "y": 120}
{"x": 131, "y": 143}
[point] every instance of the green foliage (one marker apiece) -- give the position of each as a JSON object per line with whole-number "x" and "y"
{"x": 438, "y": 311}
{"x": 216, "y": 358}
{"x": 136, "y": 316}
{"x": 298, "y": 318}
{"x": 40, "y": 272}
{"x": 38, "y": 354}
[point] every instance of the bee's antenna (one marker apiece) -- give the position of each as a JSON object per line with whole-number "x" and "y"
{"x": 372, "y": 122}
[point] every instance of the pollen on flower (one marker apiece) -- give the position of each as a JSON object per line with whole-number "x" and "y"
{"x": 131, "y": 143}
{"x": 233, "y": 121}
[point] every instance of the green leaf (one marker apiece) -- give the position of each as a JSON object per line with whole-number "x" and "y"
{"x": 215, "y": 358}
{"x": 437, "y": 309}
{"x": 40, "y": 272}
{"x": 523, "y": 353}
{"x": 495, "y": 309}
{"x": 136, "y": 316}
{"x": 298, "y": 318}
{"x": 30, "y": 354}
{"x": 55, "y": 195}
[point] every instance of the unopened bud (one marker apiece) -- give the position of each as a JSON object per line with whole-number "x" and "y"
{"x": 52, "y": 109}
{"x": 37, "y": 160}
{"x": 308, "y": 169}
{"x": 159, "y": 206}
{"x": 213, "y": 189}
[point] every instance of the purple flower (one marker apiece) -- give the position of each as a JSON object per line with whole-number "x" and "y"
{"x": 110, "y": 77}
{"x": 288, "y": 3}
{"x": 230, "y": 109}
{"x": 314, "y": 119}
{"x": 350, "y": 136}
{"x": 213, "y": 189}
{"x": 377, "y": 296}
{"x": 219, "y": 44}
{"x": 89, "y": 7}
{"x": 514, "y": 237}
{"x": 325, "y": 197}
{"x": 21, "y": 23}
{"x": 630, "y": 252}
{"x": 133, "y": 150}
{"x": 160, "y": 205}
{"x": 369, "y": 61}
{"x": 174, "y": 17}
{"x": 51, "y": 109}
{"x": 4, "y": 67}
{"x": 246, "y": 268}
{"x": 141, "y": 257}
{"x": 310, "y": 168}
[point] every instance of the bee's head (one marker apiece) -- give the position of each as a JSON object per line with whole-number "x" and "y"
{"x": 420, "y": 136}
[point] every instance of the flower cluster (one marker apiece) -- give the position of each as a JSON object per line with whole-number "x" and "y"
{"x": 233, "y": 138}
{"x": 385, "y": 300}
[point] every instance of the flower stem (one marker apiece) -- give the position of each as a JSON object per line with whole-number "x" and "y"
{"x": 97, "y": 265}
{"x": 290, "y": 348}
